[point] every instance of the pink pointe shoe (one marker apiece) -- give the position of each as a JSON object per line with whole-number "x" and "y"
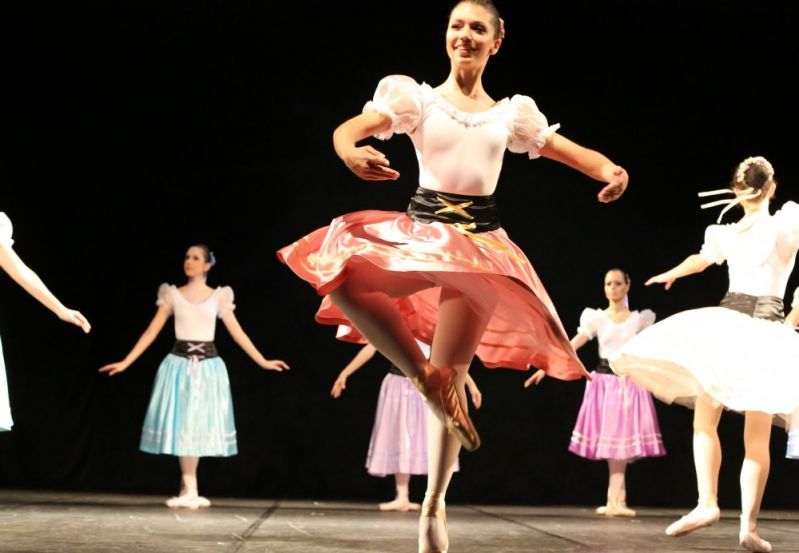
{"x": 700, "y": 517}
{"x": 433, "y": 525}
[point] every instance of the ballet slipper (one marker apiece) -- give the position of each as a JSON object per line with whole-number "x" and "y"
{"x": 750, "y": 540}
{"x": 401, "y": 504}
{"x": 700, "y": 517}
{"x": 433, "y": 525}
{"x": 188, "y": 501}
{"x": 615, "y": 508}
{"x": 439, "y": 390}
{"x": 182, "y": 502}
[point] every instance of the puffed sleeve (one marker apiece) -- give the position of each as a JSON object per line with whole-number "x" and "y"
{"x": 6, "y": 230}
{"x": 788, "y": 218}
{"x": 590, "y": 319}
{"x": 399, "y": 97}
{"x": 165, "y": 296}
{"x": 528, "y": 127}
{"x": 225, "y": 302}
{"x": 646, "y": 317}
{"x": 711, "y": 249}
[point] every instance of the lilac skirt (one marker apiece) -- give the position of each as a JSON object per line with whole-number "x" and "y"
{"x": 399, "y": 435}
{"x": 617, "y": 420}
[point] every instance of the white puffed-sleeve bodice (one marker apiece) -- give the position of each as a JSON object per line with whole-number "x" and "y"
{"x": 6, "y": 230}
{"x": 760, "y": 250}
{"x": 459, "y": 152}
{"x": 196, "y": 321}
{"x": 595, "y": 323}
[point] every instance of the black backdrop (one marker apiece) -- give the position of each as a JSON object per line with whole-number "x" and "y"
{"x": 133, "y": 129}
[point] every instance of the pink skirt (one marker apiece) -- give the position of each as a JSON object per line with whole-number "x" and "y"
{"x": 617, "y": 420}
{"x": 399, "y": 437}
{"x": 524, "y": 328}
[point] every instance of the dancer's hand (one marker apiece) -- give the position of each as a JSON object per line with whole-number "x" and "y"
{"x": 369, "y": 164}
{"x": 339, "y": 386}
{"x": 274, "y": 365}
{"x": 75, "y": 318}
{"x": 114, "y": 368}
{"x": 536, "y": 379}
{"x": 474, "y": 391}
{"x": 662, "y": 278}
{"x": 615, "y": 187}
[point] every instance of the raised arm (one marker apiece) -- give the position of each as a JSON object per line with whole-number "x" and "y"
{"x": 30, "y": 281}
{"x": 241, "y": 338}
{"x": 144, "y": 341}
{"x": 360, "y": 359}
{"x": 589, "y": 162}
{"x": 365, "y": 161}
{"x": 692, "y": 264}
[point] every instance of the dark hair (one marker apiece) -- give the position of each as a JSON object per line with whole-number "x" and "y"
{"x": 622, "y": 271}
{"x": 488, "y": 5}
{"x": 207, "y": 253}
{"x": 754, "y": 172}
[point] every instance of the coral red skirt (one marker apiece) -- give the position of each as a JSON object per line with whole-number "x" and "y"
{"x": 487, "y": 267}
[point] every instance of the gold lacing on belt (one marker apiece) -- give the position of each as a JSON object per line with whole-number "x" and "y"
{"x": 460, "y": 208}
{"x": 467, "y": 228}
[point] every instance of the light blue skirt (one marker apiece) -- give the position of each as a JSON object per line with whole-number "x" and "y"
{"x": 5, "y": 406}
{"x": 191, "y": 410}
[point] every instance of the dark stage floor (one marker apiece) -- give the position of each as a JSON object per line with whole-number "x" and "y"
{"x": 39, "y": 522}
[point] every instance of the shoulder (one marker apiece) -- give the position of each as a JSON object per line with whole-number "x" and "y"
{"x": 592, "y": 316}
{"x": 166, "y": 288}
{"x": 646, "y": 316}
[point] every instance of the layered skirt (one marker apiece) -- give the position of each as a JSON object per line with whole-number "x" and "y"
{"x": 741, "y": 361}
{"x": 190, "y": 413}
{"x": 442, "y": 241}
{"x": 617, "y": 420}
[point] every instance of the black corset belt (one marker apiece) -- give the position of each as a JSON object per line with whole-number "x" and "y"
{"x": 757, "y": 307}
{"x": 470, "y": 213}
{"x": 188, "y": 349}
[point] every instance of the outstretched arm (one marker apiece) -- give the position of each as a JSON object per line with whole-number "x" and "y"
{"x": 144, "y": 341}
{"x": 578, "y": 341}
{"x": 241, "y": 338}
{"x": 30, "y": 281}
{"x": 365, "y": 161}
{"x": 589, "y": 162}
{"x": 695, "y": 263}
{"x": 360, "y": 359}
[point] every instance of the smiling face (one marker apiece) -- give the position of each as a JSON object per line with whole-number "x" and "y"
{"x": 195, "y": 262}
{"x": 472, "y": 35}
{"x": 616, "y": 285}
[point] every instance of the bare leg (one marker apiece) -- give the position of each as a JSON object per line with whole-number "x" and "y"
{"x": 367, "y": 301}
{"x": 754, "y": 474}
{"x": 457, "y": 335}
{"x": 617, "y": 491}
{"x": 365, "y": 297}
{"x": 402, "y": 501}
{"x": 707, "y": 462}
{"x": 189, "y": 495}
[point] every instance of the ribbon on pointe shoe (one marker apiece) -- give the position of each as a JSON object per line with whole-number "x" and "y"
{"x": 438, "y": 388}
{"x": 432, "y": 521}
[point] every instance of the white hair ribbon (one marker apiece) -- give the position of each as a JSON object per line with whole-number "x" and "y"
{"x": 747, "y": 194}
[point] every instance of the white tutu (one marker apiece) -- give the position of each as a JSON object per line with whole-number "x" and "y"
{"x": 743, "y": 363}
